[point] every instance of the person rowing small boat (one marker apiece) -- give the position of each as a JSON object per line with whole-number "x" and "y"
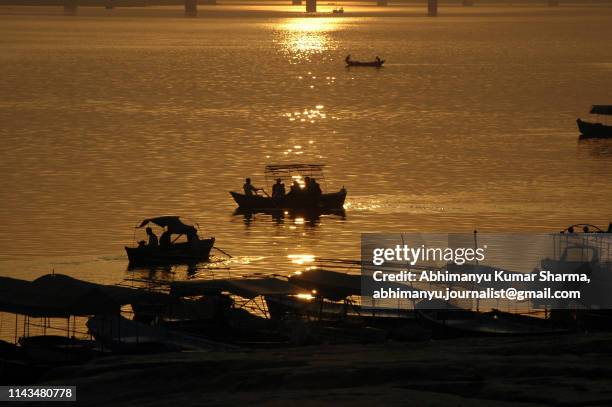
{"x": 376, "y": 63}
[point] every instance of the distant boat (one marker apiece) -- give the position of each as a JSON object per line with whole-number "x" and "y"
{"x": 596, "y": 130}
{"x": 288, "y": 173}
{"x": 192, "y": 251}
{"x": 377, "y": 63}
{"x": 338, "y": 10}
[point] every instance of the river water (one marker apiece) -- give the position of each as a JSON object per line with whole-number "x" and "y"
{"x": 111, "y": 116}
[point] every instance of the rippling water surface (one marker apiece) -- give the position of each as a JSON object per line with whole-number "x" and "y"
{"x": 112, "y": 116}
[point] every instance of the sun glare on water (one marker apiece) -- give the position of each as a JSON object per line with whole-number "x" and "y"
{"x": 303, "y": 37}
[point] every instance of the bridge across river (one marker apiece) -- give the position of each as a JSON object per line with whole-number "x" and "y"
{"x": 191, "y": 6}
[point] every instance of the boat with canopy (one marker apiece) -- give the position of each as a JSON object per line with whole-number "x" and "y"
{"x": 184, "y": 245}
{"x": 597, "y": 129}
{"x": 288, "y": 173}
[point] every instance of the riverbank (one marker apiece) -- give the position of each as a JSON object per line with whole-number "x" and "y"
{"x": 564, "y": 370}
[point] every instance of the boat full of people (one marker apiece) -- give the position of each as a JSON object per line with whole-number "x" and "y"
{"x": 179, "y": 243}
{"x": 304, "y": 192}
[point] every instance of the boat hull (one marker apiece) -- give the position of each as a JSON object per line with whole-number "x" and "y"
{"x": 324, "y": 202}
{"x": 375, "y": 64}
{"x": 451, "y": 323}
{"x": 178, "y": 253}
{"x": 593, "y": 130}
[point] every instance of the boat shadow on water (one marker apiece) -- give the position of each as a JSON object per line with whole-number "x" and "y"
{"x": 309, "y": 217}
{"x": 594, "y": 147}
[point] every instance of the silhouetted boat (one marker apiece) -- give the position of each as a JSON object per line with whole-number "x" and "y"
{"x": 334, "y": 200}
{"x": 375, "y": 63}
{"x": 596, "y": 130}
{"x": 194, "y": 250}
{"x": 448, "y": 321}
{"x": 301, "y": 201}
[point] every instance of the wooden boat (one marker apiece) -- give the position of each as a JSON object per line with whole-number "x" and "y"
{"x": 330, "y": 201}
{"x": 54, "y": 349}
{"x": 596, "y": 130}
{"x": 448, "y": 321}
{"x": 288, "y": 173}
{"x": 194, "y": 250}
{"x": 377, "y": 63}
{"x": 126, "y": 336}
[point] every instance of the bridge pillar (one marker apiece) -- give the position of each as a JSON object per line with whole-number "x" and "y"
{"x": 311, "y": 6}
{"x": 109, "y": 4}
{"x": 296, "y": 2}
{"x": 70, "y": 7}
{"x": 191, "y": 8}
{"x": 432, "y": 8}
{"x": 382, "y": 3}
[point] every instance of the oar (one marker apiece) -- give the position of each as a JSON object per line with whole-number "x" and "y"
{"x": 224, "y": 252}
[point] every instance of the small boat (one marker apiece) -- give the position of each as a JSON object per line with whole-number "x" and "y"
{"x": 448, "y": 321}
{"x": 338, "y": 10}
{"x": 596, "y": 130}
{"x": 192, "y": 251}
{"x": 55, "y": 349}
{"x": 377, "y": 63}
{"x": 302, "y": 201}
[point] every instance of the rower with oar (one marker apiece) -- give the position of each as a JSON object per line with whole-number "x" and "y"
{"x": 250, "y": 189}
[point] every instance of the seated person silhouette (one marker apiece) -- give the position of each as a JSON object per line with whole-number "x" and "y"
{"x": 249, "y": 189}
{"x": 278, "y": 189}
{"x": 153, "y": 242}
{"x": 165, "y": 240}
{"x": 295, "y": 189}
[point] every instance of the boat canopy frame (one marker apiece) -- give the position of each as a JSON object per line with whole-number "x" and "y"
{"x": 601, "y": 110}
{"x": 173, "y": 223}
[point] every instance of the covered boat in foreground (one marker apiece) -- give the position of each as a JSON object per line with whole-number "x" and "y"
{"x": 289, "y": 173}
{"x": 190, "y": 250}
{"x": 596, "y": 129}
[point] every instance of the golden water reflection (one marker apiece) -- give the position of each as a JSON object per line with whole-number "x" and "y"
{"x": 307, "y": 36}
{"x": 301, "y": 258}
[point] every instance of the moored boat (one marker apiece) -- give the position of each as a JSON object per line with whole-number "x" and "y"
{"x": 192, "y": 251}
{"x": 596, "y": 130}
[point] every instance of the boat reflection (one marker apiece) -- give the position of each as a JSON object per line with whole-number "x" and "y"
{"x": 598, "y": 148}
{"x": 310, "y": 217}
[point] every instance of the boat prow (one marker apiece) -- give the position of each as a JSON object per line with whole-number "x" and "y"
{"x": 596, "y": 130}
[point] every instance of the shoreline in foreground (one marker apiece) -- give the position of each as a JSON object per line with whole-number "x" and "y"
{"x": 552, "y": 370}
